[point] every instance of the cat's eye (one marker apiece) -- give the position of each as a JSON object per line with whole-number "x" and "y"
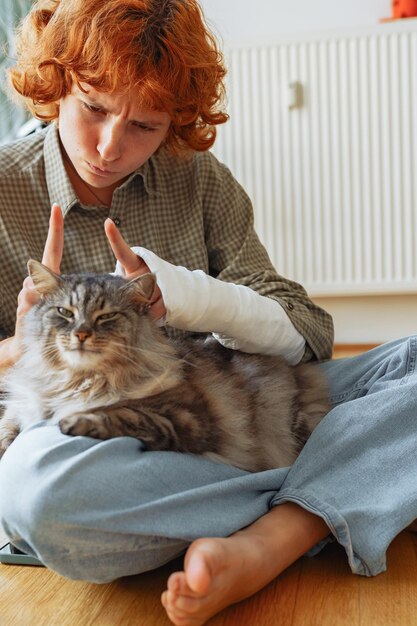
{"x": 65, "y": 313}
{"x": 107, "y": 317}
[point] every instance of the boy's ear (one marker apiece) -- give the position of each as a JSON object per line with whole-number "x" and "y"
{"x": 142, "y": 288}
{"x": 44, "y": 279}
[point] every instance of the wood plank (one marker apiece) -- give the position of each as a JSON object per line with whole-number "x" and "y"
{"x": 328, "y": 592}
{"x": 394, "y": 593}
{"x": 32, "y": 595}
{"x": 342, "y": 350}
{"x": 319, "y": 591}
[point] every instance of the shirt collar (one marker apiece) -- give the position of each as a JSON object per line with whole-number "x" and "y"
{"x": 59, "y": 186}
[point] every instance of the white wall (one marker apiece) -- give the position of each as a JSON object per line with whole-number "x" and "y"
{"x": 240, "y": 20}
{"x": 372, "y": 319}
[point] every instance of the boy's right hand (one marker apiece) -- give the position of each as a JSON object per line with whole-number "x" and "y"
{"x": 28, "y": 297}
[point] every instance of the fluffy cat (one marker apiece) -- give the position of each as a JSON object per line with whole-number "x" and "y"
{"x": 97, "y": 365}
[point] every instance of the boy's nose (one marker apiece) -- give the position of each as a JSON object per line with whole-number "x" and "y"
{"x": 109, "y": 145}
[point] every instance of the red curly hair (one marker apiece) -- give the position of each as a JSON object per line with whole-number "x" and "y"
{"x": 161, "y": 47}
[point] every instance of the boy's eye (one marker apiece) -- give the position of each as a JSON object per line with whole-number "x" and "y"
{"x": 90, "y": 107}
{"x": 107, "y": 317}
{"x": 65, "y": 313}
{"x": 148, "y": 129}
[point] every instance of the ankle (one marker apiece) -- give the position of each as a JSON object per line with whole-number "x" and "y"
{"x": 286, "y": 533}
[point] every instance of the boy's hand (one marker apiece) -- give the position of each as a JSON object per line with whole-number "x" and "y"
{"x": 54, "y": 246}
{"x": 133, "y": 265}
{"x": 52, "y": 257}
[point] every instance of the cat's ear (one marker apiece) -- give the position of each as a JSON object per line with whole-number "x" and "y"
{"x": 44, "y": 279}
{"x": 142, "y": 288}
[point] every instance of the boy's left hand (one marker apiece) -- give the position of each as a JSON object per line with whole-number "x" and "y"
{"x": 133, "y": 265}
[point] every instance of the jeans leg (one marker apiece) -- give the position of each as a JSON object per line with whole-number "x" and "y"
{"x": 100, "y": 510}
{"x": 97, "y": 511}
{"x": 357, "y": 471}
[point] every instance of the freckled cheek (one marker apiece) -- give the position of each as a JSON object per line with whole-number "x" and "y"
{"x": 85, "y": 142}
{"x": 78, "y": 137}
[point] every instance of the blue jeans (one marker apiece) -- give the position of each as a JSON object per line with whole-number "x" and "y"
{"x": 96, "y": 510}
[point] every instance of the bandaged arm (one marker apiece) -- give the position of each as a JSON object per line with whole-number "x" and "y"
{"x": 237, "y": 316}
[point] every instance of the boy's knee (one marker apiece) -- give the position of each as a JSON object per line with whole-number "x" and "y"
{"x": 50, "y": 507}
{"x": 36, "y": 510}
{"x": 24, "y": 494}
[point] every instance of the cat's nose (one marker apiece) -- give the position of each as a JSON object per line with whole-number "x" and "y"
{"x": 82, "y": 335}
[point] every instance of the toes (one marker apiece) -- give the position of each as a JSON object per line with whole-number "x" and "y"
{"x": 173, "y": 583}
{"x": 178, "y": 585}
{"x": 192, "y": 596}
{"x": 182, "y": 605}
{"x": 184, "y": 611}
{"x": 164, "y": 599}
{"x": 176, "y": 615}
{"x": 188, "y": 606}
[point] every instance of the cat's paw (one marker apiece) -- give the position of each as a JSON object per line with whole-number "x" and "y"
{"x": 81, "y": 425}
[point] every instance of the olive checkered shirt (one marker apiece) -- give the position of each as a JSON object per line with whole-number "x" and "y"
{"x": 189, "y": 211}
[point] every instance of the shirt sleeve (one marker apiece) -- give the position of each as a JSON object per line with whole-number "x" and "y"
{"x": 236, "y": 255}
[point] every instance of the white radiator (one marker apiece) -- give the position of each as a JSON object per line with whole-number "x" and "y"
{"x": 333, "y": 180}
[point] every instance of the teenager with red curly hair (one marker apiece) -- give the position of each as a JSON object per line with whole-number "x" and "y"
{"x": 132, "y": 91}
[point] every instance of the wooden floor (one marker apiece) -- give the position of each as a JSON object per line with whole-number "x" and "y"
{"x": 346, "y": 350}
{"x": 317, "y": 591}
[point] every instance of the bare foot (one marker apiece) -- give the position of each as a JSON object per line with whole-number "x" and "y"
{"x": 220, "y": 572}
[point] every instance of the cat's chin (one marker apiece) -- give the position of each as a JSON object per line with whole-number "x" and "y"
{"x": 81, "y": 359}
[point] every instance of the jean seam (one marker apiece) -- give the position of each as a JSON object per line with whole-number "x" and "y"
{"x": 411, "y": 360}
{"x": 338, "y": 398}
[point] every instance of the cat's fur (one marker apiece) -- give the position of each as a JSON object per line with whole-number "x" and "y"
{"x": 120, "y": 375}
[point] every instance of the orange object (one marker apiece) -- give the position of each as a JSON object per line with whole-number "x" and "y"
{"x": 404, "y": 8}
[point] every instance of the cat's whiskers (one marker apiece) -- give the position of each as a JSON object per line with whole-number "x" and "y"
{"x": 151, "y": 366}
{"x": 136, "y": 362}
{"x": 157, "y": 372}
{"x": 115, "y": 351}
{"x": 49, "y": 351}
{"x": 153, "y": 354}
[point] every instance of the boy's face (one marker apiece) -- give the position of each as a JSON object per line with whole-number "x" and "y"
{"x": 108, "y": 136}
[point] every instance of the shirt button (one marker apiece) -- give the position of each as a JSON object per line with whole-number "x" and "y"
{"x": 290, "y": 306}
{"x": 117, "y": 221}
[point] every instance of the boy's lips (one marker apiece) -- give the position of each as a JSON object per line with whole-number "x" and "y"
{"x": 99, "y": 171}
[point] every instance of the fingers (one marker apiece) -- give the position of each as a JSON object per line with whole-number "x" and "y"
{"x": 133, "y": 266}
{"x": 54, "y": 246}
{"x": 26, "y": 299}
{"x": 52, "y": 257}
{"x": 157, "y": 310}
{"x": 127, "y": 258}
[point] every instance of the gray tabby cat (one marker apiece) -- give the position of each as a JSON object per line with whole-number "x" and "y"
{"x": 97, "y": 365}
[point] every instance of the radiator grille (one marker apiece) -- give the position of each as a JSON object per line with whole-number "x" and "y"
{"x": 333, "y": 181}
